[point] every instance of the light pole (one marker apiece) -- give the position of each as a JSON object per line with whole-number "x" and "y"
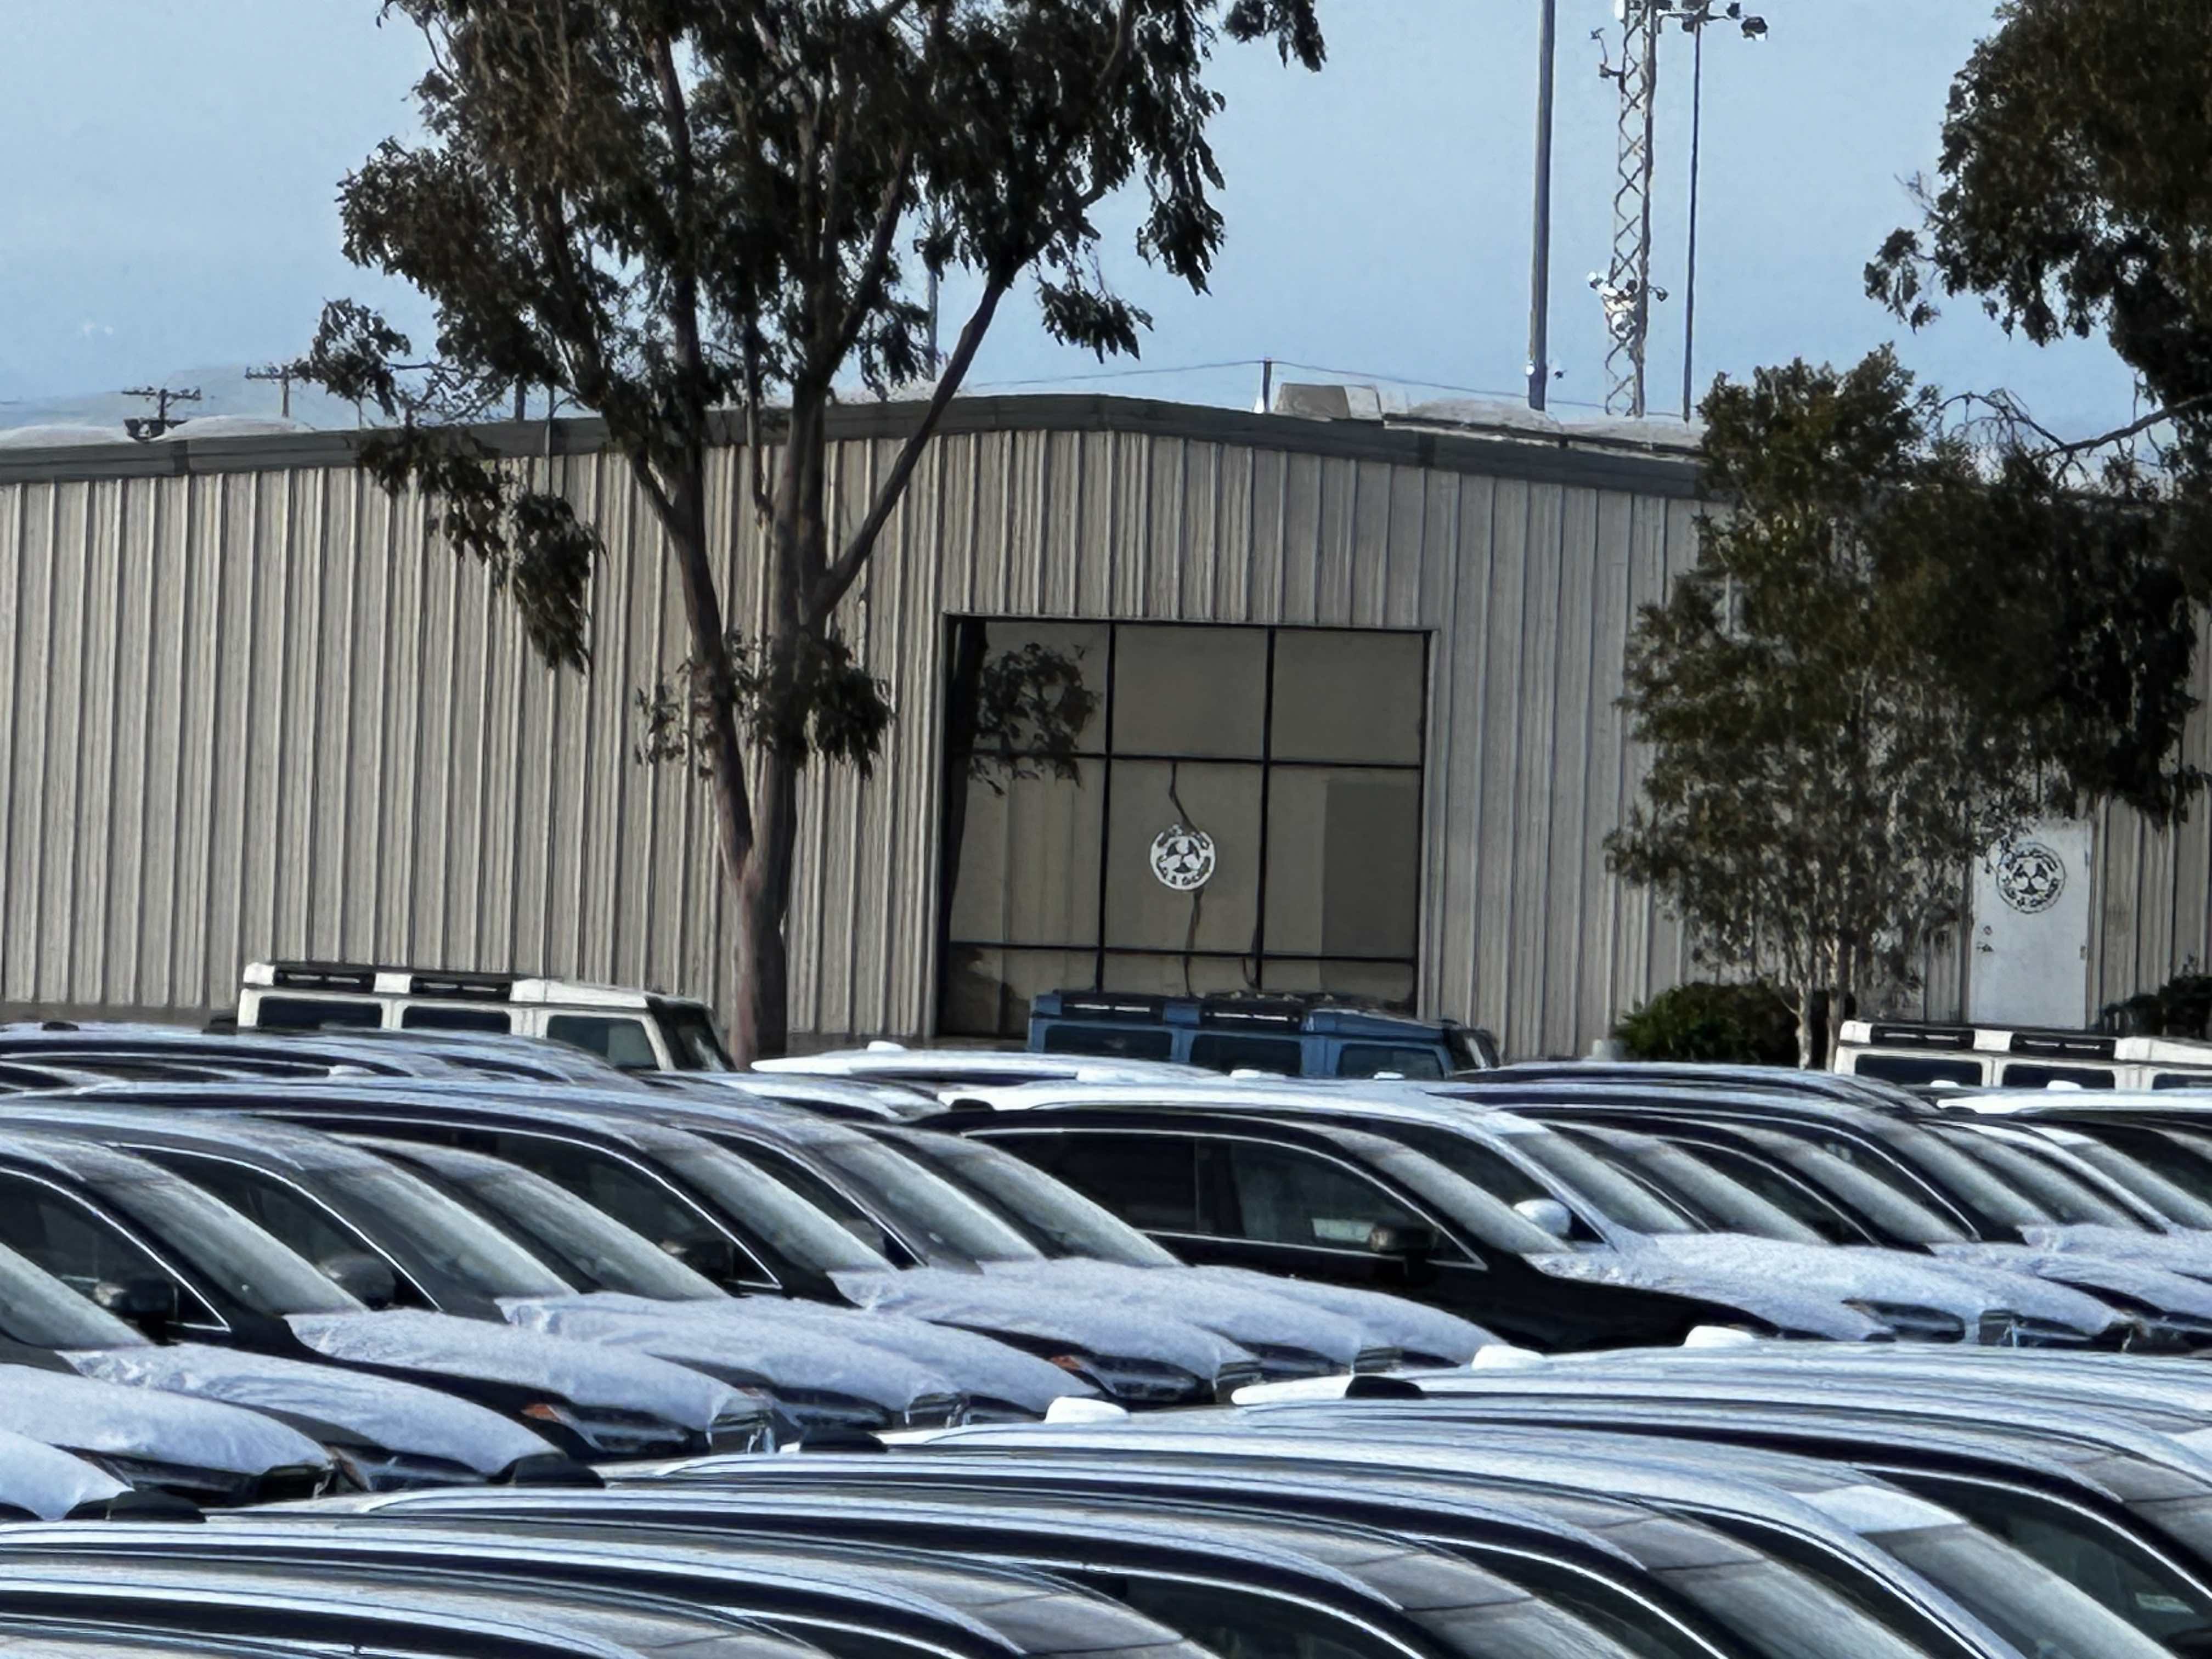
{"x": 1540, "y": 272}
{"x": 1693, "y": 15}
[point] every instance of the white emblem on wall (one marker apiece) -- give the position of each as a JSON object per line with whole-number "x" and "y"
{"x": 1182, "y": 859}
{"x": 2031, "y": 877}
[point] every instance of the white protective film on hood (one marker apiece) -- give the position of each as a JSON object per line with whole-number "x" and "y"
{"x": 2147, "y": 1281}
{"x": 781, "y": 1357}
{"x": 1871, "y": 1275}
{"x": 1780, "y": 1306}
{"x": 2024, "y": 1292}
{"x": 1245, "y": 1316}
{"x": 83, "y": 1413}
{"x": 49, "y": 1484}
{"x": 580, "y": 1372}
{"x": 981, "y": 1367}
{"x": 2188, "y": 1250}
{"x": 399, "y": 1417}
{"x": 945, "y": 1298}
{"x": 1388, "y": 1321}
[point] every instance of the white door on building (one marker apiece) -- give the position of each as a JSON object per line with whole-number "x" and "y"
{"x": 2031, "y": 922}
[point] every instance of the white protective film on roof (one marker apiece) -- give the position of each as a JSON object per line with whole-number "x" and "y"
{"x": 49, "y": 1484}
{"x": 85, "y": 1414}
{"x": 783, "y": 1357}
{"x": 580, "y": 1372}
{"x": 945, "y": 1298}
{"x": 399, "y": 1417}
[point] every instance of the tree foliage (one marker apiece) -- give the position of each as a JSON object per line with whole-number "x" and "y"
{"x": 1709, "y": 1023}
{"x": 1894, "y": 652}
{"x": 658, "y": 210}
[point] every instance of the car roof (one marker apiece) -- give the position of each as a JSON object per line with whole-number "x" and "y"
{"x": 1291, "y": 1129}
{"x": 271, "y": 1143}
{"x": 893, "y": 1060}
{"x": 53, "y": 1152}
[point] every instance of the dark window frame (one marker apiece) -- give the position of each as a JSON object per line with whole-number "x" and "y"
{"x": 1098, "y": 747}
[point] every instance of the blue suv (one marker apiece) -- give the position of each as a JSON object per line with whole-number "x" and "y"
{"x": 1296, "y": 1036}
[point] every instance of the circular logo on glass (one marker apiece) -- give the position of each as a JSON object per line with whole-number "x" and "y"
{"x": 1182, "y": 859}
{"x": 2031, "y": 877}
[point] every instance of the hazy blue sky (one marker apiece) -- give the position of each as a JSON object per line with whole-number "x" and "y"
{"x": 170, "y": 205}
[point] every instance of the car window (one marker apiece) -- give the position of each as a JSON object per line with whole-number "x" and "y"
{"x": 1800, "y": 1203}
{"x": 810, "y": 1187}
{"x": 1228, "y": 1051}
{"x": 60, "y": 1233}
{"x": 1288, "y": 1196}
{"x": 2021, "y": 1074}
{"x": 39, "y": 1309}
{"x": 1054, "y": 1212}
{"x": 313, "y": 1013}
{"x": 431, "y": 1016}
{"x": 692, "y": 1040}
{"x": 2052, "y": 1188}
{"x": 1111, "y": 1041}
{"x": 1150, "y": 1181}
{"x": 617, "y": 1041}
{"x": 619, "y": 1189}
{"x": 274, "y": 1205}
{"x": 1372, "y": 1058}
{"x": 578, "y": 1239}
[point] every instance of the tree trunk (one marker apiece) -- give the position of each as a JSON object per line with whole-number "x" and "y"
{"x": 1806, "y": 1037}
{"x": 763, "y": 904}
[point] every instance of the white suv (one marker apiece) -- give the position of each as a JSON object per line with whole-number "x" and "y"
{"x": 637, "y": 1030}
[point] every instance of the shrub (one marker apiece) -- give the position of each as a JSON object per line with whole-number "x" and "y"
{"x": 2181, "y": 1008}
{"x": 1735, "y": 1024}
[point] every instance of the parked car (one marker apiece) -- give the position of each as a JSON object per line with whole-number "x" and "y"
{"x": 187, "y": 1267}
{"x": 1329, "y": 1200}
{"x": 1291, "y": 1036}
{"x": 38, "y": 1483}
{"x": 633, "y": 1030}
{"x": 1982, "y": 1056}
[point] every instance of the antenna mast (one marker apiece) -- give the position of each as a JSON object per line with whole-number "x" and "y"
{"x": 1626, "y": 289}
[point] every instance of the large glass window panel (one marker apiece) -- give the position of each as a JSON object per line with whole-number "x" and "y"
{"x": 1174, "y": 976}
{"x": 987, "y": 991}
{"x": 1021, "y": 650}
{"x": 1344, "y": 855}
{"x": 1151, "y": 797}
{"x": 1184, "y": 690}
{"x": 1027, "y": 854}
{"x": 1341, "y": 695}
{"x": 1390, "y": 983}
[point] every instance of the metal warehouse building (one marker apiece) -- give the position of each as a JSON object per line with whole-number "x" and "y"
{"x": 1354, "y": 729}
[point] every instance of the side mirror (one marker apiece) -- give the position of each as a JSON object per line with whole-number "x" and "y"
{"x": 1411, "y": 1242}
{"x": 149, "y": 1303}
{"x": 709, "y": 1256}
{"x": 1553, "y": 1217}
{"x": 367, "y": 1278}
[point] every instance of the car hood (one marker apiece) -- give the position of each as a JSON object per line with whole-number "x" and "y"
{"x": 1247, "y": 1317}
{"x": 1873, "y": 1273}
{"x": 39, "y": 1480}
{"x": 2148, "y": 1282}
{"x": 398, "y": 1417}
{"x": 2187, "y": 1251}
{"x": 1387, "y": 1320}
{"x": 1643, "y": 1268}
{"x": 975, "y": 1302}
{"x": 84, "y": 1413}
{"x": 581, "y": 1373}
{"x": 781, "y": 1356}
{"x": 981, "y": 1367}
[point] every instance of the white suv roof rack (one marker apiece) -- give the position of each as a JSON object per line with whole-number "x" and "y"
{"x": 458, "y": 985}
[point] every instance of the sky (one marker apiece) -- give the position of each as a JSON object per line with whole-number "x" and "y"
{"x": 172, "y": 208}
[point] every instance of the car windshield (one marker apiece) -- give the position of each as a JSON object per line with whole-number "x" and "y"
{"x": 582, "y": 1240}
{"x": 933, "y": 1211}
{"x": 2182, "y": 1157}
{"x": 1718, "y": 1200}
{"x": 1972, "y": 1186}
{"x": 757, "y": 1202}
{"x": 2051, "y": 1187}
{"x": 1785, "y": 1614}
{"x": 1487, "y": 1218}
{"x": 693, "y": 1041}
{"x": 1892, "y": 1214}
{"x": 2027, "y": 1604}
{"x": 456, "y": 1242}
{"x": 1599, "y": 1185}
{"x": 39, "y": 1310}
{"x": 2145, "y": 1184}
{"x": 238, "y": 1257}
{"x": 1068, "y": 1222}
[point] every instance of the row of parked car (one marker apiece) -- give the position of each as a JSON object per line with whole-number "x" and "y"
{"x": 462, "y": 1337}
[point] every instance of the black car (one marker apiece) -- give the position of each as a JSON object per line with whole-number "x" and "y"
{"x": 1325, "y": 1200}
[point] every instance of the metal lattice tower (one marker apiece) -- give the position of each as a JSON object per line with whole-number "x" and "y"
{"x": 1627, "y": 290}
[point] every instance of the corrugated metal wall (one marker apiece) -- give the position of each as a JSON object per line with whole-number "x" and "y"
{"x": 249, "y": 713}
